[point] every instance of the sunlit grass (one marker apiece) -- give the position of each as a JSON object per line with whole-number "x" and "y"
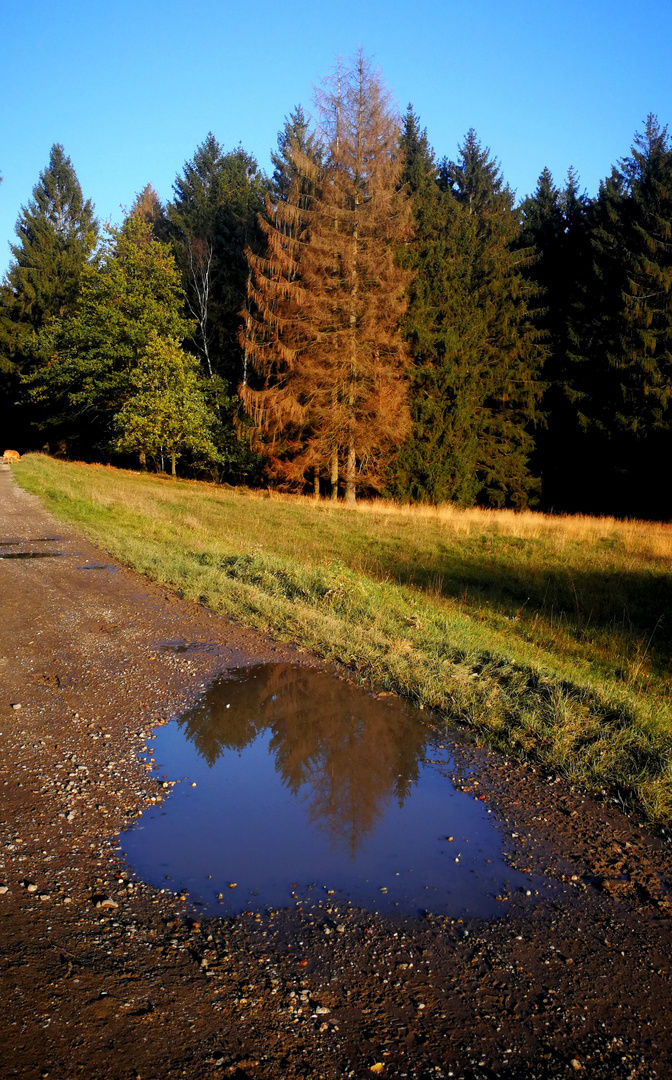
{"x": 547, "y": 635}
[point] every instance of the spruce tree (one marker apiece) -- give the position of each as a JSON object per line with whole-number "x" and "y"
{"x": 213, "y": 217}
{"x": 296, "y": 140}
{"x": 476, "y": 351}
{"x": 57, "y": 234}
{"x": 553, "y": 227}
{"x": 622, "y": 333}
{"x": 149, "y": 208}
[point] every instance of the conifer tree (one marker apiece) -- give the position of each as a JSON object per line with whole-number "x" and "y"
{"x": 149, "y": 208}
{"x": 323, "y": 335}
{"x": 57, "y": 234}
{"x": 622, "y": 332}
{"x": 553, "y": 227}
{"x": 296, "y": 141}
{"x": 476, "y": 352}
{"x": 213, "y": 217}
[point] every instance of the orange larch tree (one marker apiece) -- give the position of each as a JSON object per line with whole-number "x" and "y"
{"x": 326, "y": 300}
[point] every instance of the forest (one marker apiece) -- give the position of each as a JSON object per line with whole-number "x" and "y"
{"x": 368, "y": 318}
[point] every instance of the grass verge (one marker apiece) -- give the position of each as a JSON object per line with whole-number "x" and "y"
{"x": 547, "y": 636}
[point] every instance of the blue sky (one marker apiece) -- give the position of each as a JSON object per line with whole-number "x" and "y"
{"x": 130, "y": 88}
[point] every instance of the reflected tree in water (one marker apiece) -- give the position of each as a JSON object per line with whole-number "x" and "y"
{"x": 344, "y": 752}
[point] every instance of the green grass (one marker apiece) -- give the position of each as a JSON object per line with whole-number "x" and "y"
{"x": 547, "y": 636}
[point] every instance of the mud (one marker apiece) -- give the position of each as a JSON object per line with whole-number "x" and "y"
{"x": 103, "y": 976}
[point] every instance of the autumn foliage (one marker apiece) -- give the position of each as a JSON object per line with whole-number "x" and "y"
{"x": 328, "y": 390}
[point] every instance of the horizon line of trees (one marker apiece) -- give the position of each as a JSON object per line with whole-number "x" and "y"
{"x": 368, "y": 318}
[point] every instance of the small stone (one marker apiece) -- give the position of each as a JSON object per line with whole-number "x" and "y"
{"x": 194, "y": 784}
{"x": 107, "y": 903}
{"x": 15, "y": 705}
{"x": 4, "y": 889}
{"x": 31, "y": 887}
{"x": 233, "y": 884}
{"x": 576, "y": 1065}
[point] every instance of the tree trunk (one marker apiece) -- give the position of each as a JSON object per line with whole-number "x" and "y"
{"x": 173, "y": 468}
{"x": 142, "y": 458}
{"x": 350, "y": 481}
{"x": 316, "y": 482}
{"x": 334, "y": 475}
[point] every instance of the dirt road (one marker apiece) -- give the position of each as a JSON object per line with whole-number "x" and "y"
{"x": 105, "y": 977}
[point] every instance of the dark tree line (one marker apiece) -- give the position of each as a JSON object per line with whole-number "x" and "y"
{"x": 368, "y": 317}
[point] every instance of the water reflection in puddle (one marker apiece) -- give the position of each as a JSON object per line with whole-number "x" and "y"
{"x": 31, "y": 555}
{"x": 31, "y": 540}
{"x": 98, "y": 566}
{"x": 303, "y": 784}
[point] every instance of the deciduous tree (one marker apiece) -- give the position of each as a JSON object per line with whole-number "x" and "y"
{"x": 166, "y": 412}
{"x": 132, "y": 298}
{"x": 328, "y": 296}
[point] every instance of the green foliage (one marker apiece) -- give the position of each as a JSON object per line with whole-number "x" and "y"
{"x": 296, "y": 141}
{"x": 213, "y": 220}
{"x": 132, "y": 297}
{"x": 476, "y": 350}
{"x": 553, "y": 226}
{"x": 166, "y": 412}
{"x": 622, "y": 330}
{"x": 56, "y": 237}
{"x": 57, "y": 233}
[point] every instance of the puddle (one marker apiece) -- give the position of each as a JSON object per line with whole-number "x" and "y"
{"x": 181, "y": 646}
{"x": 32, "y": 540}
{"x": 305, "y": 784}
{"x": 31, "y": 554}
{"x": 98, "y": 566}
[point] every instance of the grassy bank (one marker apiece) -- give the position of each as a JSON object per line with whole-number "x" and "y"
{"x": 546, "y": 635}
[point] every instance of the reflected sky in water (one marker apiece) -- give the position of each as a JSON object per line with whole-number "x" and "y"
{"x": 305, "y": 784}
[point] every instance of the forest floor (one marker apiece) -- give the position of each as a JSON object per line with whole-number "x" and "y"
{"x": 110, "y": 978}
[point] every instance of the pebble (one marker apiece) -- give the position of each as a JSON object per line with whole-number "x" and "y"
{"x": 4, "y": 889}
{"x": 15, "y": 705}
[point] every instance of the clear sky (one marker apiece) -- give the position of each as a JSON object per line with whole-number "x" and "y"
{"x": 132, "y": 87}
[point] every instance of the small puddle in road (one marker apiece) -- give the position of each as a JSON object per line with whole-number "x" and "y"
{"x": 98, "y": 566}
{"x": 31, "y": 540}
{"x": 294, "y": 783}
{"x": 32, "y": 555}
